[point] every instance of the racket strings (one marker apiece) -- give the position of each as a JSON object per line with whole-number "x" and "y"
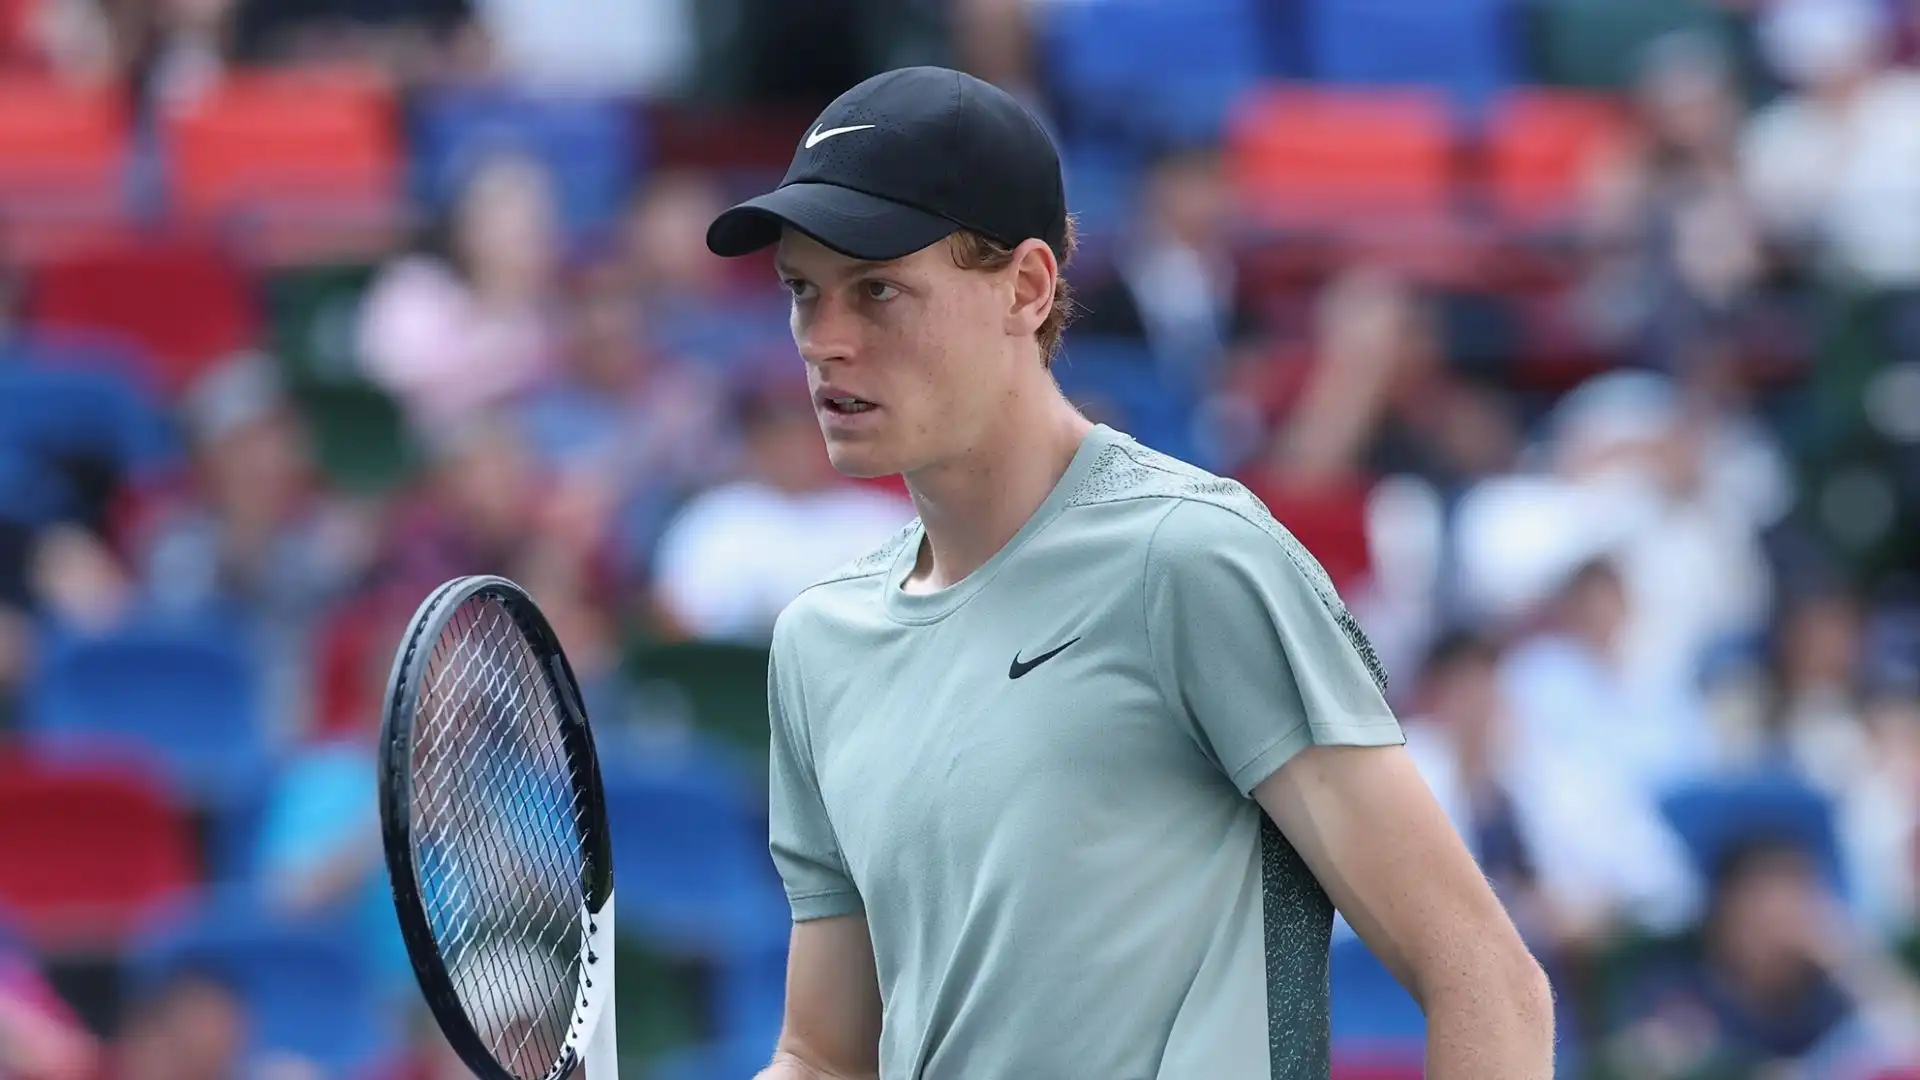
{"x": 499, "y": 816}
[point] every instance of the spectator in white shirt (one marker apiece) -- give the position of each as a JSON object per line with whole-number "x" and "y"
{"x": 739, "y": 553}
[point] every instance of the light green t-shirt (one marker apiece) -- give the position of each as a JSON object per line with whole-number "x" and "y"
{"x": 1035, "y": 783}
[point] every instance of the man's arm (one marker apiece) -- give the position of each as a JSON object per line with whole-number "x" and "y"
{"x": 1367, "y": 826}
{"x": 832, "y": 1025}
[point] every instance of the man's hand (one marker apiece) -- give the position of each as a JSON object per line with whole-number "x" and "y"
{"x": 1366, "y": 824}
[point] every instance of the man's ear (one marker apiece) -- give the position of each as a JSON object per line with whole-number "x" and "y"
{"x": 1035, "y": 274}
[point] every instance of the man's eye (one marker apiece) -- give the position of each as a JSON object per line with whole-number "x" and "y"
{"x": 800, "y": 289}
{"x": 880, "y": 291}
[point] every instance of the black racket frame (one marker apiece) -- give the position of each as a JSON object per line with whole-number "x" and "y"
{"x": 396, "y": 795}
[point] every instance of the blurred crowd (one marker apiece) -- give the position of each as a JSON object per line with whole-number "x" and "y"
{"x": 1627, "y": 494}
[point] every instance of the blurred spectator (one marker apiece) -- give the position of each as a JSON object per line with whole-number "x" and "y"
{"x": 1458, "y": 737}
{"x": 1880, "y": 820}
{"x": 418, "y": 39}
{"x": 1589, "y": 747}
{"x": 40, "y": 1038}
{"x": 173, "y": 50}
{"x": 468, "y": 321}
{"x": 256, "y": 536}
{"x": 740, "y": 552}
{"x": 1834, "y": 166}
{"x": 1174, "y": 285}
{"x": 1778, "y": 978}
{"x": 1675, "y": 247}
{"x": 1683, "y": 488}
{"x": 480, "y": 510}
{"x": 599, "y": 46}
{"x": 690, "y": 303}
{"x": 631, "y": 430}
{"x": 1378, "y": 398}
{"x": 748, "y": 56}
{"x": 191, "y": 1026}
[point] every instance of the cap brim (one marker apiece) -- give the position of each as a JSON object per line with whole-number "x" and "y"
{"x": 853, "y": 223}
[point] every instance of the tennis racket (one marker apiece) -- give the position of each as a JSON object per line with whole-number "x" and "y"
{"x": 496, "y": 836}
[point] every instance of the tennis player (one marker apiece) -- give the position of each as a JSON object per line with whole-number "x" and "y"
{"x": 1070, "y": 777}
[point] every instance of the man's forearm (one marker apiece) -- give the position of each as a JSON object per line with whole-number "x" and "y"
{"x": 1483, "y": 1026}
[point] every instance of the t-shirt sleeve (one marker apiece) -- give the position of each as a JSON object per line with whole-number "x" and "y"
{"x": 1251, "y": 645}
{"x": 801, "y": 837}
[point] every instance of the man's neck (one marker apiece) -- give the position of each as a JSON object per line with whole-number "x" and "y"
{"x": 972, "y": 506}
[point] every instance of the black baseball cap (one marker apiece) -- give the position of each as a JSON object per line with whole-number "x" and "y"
{"x": 905, "y": 159}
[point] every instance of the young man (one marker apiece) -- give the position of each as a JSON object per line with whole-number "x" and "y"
{"x": 1029, "y": 758}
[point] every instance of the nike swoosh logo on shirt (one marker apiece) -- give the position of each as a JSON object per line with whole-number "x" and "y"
{"x": 1021, "y": 667}
{"x": 819, "y": 136}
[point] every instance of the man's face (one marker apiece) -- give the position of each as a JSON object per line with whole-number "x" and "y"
{"x": 919, "y": 341}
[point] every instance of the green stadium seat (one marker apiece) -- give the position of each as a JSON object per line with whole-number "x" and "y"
{"x": 722, "y": 686}
{"x": 1597, "y": 43}
{"x": 313, "y": 313}
{"x": 361, "y": 440}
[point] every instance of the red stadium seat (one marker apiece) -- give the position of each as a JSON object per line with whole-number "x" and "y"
{"x": 288, "y": 153}
{"x": 185, "y": 303}
{"x": 86, "y": 854}
{"x": 63, "y": 155}
{"x": 1306, "y": 156}
{"x": 1539, "y": 146}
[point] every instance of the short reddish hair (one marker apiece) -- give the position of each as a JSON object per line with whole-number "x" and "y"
{"x": 972, "y": 251}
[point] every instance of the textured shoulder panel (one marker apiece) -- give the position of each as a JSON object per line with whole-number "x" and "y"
{"x": 875, "y": 561}
{"x": 1128, "y": 470}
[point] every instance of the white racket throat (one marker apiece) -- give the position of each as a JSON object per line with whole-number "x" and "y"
{"x": 590, "y": 1040}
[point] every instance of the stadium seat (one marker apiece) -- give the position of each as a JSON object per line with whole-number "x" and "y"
{"x": 182, "y": 693}
{"x": 63, "y": 163}
{"x": 1118, "y": 383}
{"x": 1598, "y": 43}
{"x": 1463, "y": 46}
{"x": 1369, "y": 1006}
{"x": 1313, "y": 158}
{"x": 1144, "y": 72}
{"x": 308, "y": 991}
{"x": 360, "y": 435}
{"x": 57, "y": 405}
{"x": 691, "y": 851}
{"x": 1713, "y": 816}
{"x": 314, "y": 315}
{"x": 721, "y": 687}
{"x": 719, "y": 1060}
{"x": 296, "y": 157}
{"x": 589, "y": 144}
{"x": 750, "y": 998}
{"x": 1537, "y": 147}
{"x": 185, "y": 304}
{"x": 86, "y": 852}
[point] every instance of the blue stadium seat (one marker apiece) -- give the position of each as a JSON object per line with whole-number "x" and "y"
{"x": 69, "y": 404}
{"x": 690, "y": 854}
{"x": 183, "y": 692}
{"x": 1465, "y": 46}
{"x": 1369, "y": 1006}
{"x": 1712, "y": 816}
{"x": 1120, "y": 383}
{"x": 309, "y": 992}
{"x": 720, "y": 1060}
{"x": 1146, "y": 71}
{"x": 750, "y": 994}
{"x": 590, "y": 144}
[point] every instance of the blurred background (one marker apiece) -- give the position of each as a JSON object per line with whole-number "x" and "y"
{"x": 1580, "y": 340}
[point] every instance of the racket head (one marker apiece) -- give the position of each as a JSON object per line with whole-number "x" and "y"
{"x": 480, "y": 663}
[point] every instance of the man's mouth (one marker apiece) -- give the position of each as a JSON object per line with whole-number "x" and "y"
{"x": 848, "y": 405}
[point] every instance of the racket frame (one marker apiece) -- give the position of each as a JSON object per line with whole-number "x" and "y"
{"x": 590, "y": 1031}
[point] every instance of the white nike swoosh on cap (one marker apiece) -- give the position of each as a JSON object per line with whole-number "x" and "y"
{"x": 819, "y": 136}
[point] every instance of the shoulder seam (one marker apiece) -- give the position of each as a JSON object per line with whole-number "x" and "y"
{"x": 1146, "y": 609}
